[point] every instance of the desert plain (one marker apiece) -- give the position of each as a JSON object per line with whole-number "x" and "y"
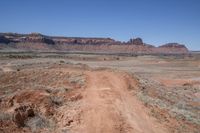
{"x": 66, "y": 92}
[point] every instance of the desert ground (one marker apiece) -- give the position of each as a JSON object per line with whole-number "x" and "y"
{"x": 99, "y": 93}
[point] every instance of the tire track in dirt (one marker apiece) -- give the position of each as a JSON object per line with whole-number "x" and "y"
{"x": 109, "y": 107}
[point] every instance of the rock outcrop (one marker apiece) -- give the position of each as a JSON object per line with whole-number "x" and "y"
{"x": 173, "y": 48}
{"x": 36, "y": 41}
{"x": 33, "y": 37}
{"x": 4, "y": 40}
{"x": 172, "y": 45}
{"x": 77, "y": 40}
{"x": 37, "y": 38}
{"x": 137, "y": 41}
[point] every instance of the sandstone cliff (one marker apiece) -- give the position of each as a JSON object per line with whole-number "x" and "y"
{"x": 36, "y": 41}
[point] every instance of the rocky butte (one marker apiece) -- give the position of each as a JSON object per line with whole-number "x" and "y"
{"x": 39, "y": 42}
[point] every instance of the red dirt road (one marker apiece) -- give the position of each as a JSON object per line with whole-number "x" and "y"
{"x": 109, "y": 107}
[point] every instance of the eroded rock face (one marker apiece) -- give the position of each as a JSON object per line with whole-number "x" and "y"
{"x": 39, "y": 38}
{"x": 36, "y": 41}
{"x": 173, "y": 48}
{"x": 76, "y": 40}
{"x": 17, "y": 38}
{"x": 173, "y": 45}
{"x": 4, "y": 40}
{"x": 137, "y": 41}
{"x": 36, "y": 38}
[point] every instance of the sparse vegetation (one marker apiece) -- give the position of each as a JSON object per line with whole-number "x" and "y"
{"x": 5, "y": 116}
{"x": 57, "y": 100}
{"x": 56, "y": 92}
{"x": 62, "y": 61}
{"x": 37, "y": 123}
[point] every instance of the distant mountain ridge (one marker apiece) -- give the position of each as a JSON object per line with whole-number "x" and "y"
{"x": 39, "y": 42}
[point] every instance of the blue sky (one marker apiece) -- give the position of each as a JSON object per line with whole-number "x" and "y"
{"x": 156, "y": 21}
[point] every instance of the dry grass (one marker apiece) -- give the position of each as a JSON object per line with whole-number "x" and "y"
{"x": 37, "y": 123}
{"x": 5, "y": 116}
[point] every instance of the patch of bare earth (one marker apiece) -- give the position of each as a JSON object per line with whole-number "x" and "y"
{"x": 110, "y": 107}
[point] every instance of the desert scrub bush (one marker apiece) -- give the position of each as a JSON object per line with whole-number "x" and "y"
{"x": 57, "y": 100}
{"x": 152, "y": 101}
{"x": 77, "y": 79}
{"x": 177, "y": 111}
{"x": 185, "y": 114}
{"x": 117, "y": 58}
{"x": 58, "y": 90}
{"x": 5, "y": 116}
{"x": 61, "y": 61}
{"x": 14, "y": 56}
{"x": 62, "y": 90}
{"x": 36, "y": 123}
